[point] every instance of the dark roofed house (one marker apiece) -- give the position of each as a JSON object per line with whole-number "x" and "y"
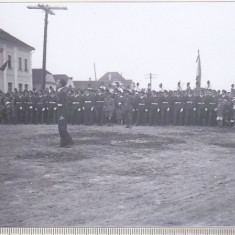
{"x": 83, "y": 85}
{"x": 37, "y": 79}
{"x": 17, "y": 55}
{"x": 69, "y": 80}
{"x": 110, "y": 79}
{"x": 114, "y": 78}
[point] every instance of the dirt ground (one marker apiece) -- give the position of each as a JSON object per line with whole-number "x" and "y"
{"x": 113, "y": 176}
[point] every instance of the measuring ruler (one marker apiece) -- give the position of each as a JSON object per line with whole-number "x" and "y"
{"x": 120, "y": 231}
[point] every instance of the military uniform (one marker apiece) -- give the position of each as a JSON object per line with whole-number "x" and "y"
{"x": 128, "y": 107}
{"x": 201, "y": 110}
{"x": 195, "y": 98}
{"x": 119, "y": 102}
{"x": 178, "y": 108}
{"x": 45, "y": 109}
{"x": 142, "y": 110}
{"x": 232, "y": 120}
{"x": 38, "y": 108}
{"x": 221, "y": 109}
{"x": 70, "y": 104}
{"x": 31, "y": 108}
{"x": 108, "y": 108}
{"x": 189, "y": 105}
{"x": 65, "y": 138}
{"x": 135, "y": 108}
{"x": 212, "y": 107}
{"x": 227, "y": 110}
{"x": 165, "y": 103}
{"x": 154, "y": 110}
{"x": 18, "y": 108}
{"x": 52, "y": 108}
{"x": 99, "y": 106}
{"x": 27, "y": 103}
{"x": 6, "y": 101}
{"x": 88, "y": 108}
{"x": 33, "y": 116}
{"x": 2, "y": 108}
{"x": 76, "y": 114}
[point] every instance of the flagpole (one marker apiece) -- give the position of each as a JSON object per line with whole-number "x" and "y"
{"x": 198, "y": 75}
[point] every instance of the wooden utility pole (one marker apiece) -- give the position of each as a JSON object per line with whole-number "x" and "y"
{"x": 48, "y": 10}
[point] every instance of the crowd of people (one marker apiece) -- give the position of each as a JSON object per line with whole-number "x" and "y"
{"x": 204, "y": 107}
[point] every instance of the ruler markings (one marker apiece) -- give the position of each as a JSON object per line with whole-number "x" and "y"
{"x": 119, "y": 231}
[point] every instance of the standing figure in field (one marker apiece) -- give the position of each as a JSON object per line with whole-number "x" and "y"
{"x": 7, "y": 103}
{"x": 222, "y": 103}
{"x": 62, "y": 99}
{"x": 232, "y": 96}
{"x": 165, "y": 103}
{"x": 88, "y": 108}
{"x": 76, "y": 108}
{"x": 142, "y": 109}
{"x": 233, "y": 112}
{"x": 189, "y": 105}
{"x": 128, "y": 106}
{"x": 1, "y": 107}
{"x": 99, "y": 106}
{"x": 109, "y": 107}
{"x": 52, "y": 106}
{"x": 153, "y": 109}
{"x": 119, "y": 108}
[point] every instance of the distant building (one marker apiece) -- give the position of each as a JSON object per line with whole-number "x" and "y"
{"x": 37, "y": 80}
{"x": 114, "y": 79}
{"x": 83, "y": 85}
{"x": 110, "y": 79}
{"x": 69, "y": 80}
{"x": 18, "y": 73}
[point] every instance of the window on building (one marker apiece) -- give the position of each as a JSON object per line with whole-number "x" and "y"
{"x": 9, "y": 62}
{"x": 26, "y": 87}
{"x": 10, "y": 86}
{"x": 20, "y": 64}
{"x": 20, "y": 86}
{"x": 25, "y": 65}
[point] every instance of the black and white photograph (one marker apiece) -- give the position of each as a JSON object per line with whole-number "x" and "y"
{"x": 117, "y": 114}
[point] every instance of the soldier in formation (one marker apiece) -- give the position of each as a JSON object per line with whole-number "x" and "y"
{"x": 189, "y": 107}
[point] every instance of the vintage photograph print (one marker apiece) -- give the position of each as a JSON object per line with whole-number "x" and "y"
{"x": 117, "y": 114}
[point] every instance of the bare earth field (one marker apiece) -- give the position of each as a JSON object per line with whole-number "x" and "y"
{"x": 113, "y": 176}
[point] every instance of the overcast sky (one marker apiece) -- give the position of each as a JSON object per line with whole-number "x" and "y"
{"x": 132, "y": 38}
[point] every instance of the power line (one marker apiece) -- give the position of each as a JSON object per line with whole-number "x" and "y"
{"x": 150, "y": 77}
{"x": 48, "y": 11}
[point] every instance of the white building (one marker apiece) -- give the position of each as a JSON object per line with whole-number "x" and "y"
{"x": 18, "y": 73}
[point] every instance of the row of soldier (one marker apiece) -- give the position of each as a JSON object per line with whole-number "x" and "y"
{"x": 189, "y": 107}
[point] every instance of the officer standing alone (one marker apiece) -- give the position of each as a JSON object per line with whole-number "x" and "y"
{"x": 65, "y": 139}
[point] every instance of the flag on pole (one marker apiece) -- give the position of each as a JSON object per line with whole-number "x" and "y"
{"x": 3, "y": 67}
{"x": 198, "y": 74}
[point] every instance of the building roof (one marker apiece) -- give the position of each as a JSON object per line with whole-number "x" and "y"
{"x": 107, "y": 80}
{"x": 8, "y": 37}
{"x": 111, "y": 77}
{"x": 37, "y": 75}
{"x": 57, "y": 77}
{"x": 82, "y": 85}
